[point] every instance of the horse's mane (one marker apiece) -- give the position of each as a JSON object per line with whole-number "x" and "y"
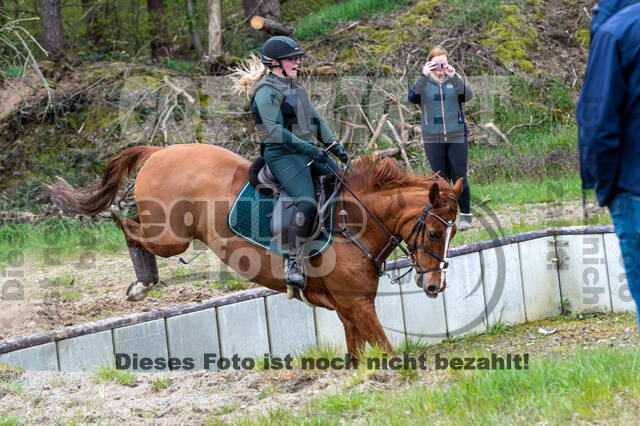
{"x": 370, "y": 174}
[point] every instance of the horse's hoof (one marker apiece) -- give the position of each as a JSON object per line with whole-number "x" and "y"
{"x": 137, "y": 291}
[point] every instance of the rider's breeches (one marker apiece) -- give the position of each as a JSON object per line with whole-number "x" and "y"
{"x": 450, "y": 159}
{"x": 285, "y": 167}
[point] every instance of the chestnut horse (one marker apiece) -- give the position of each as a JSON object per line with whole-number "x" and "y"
{"x": 184, "y": 192}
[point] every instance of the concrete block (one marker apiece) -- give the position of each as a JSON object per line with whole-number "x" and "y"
{"x": 243, "y": 329}
{"x": 621, "y": 298}
{"x": 86, "y": 353}
{"x": 583, "y": 273}
{"x": 192, "y": 336}
{"x": 540, "y": 285}
{"x": 424, "y": 318}
{"x": 144, "y": 340}
{"x": 38, "y": 358}
{"x": 292, "y": 327}
{"x": 464, "y": 296}
{"x": 329, "y": 329}
{"x": 503, "y": 285}
{"x": 388, "y": 305}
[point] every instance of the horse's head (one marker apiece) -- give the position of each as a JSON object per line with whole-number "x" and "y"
{"x": 431, "y": 234}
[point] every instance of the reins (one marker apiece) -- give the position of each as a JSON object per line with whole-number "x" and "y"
{"x": 418, "y": 230}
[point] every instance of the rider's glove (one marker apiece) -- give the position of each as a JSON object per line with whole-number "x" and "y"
{"x": 320, "y": 155}
{"x": 342, "y": 154}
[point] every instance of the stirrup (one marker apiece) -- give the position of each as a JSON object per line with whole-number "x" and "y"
{"x": 291, "y": 293}
{"x": 300, "y": 271}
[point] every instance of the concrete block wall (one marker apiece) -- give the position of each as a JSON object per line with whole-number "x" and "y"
{"x": 510, "y": 283}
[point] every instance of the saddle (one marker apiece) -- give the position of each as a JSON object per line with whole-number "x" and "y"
{"x": 263, "y": 180}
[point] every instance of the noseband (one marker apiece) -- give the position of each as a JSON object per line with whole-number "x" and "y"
{"x": 418, "y": 234}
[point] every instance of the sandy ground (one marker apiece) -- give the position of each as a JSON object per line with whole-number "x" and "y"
{"x": 91, "y": 287}
{"x": 231, "y": 396}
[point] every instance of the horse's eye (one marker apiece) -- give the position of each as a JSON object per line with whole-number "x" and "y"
{"x": 434, "y": 235}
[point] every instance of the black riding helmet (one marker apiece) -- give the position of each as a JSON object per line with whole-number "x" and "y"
{"x": 279, "y": 47}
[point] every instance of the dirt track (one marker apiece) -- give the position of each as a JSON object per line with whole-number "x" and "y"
{"x": 199, "y": 397}
{"x": 75, "y": 292}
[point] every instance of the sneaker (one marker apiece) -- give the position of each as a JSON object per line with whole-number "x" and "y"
{"x": 465, "y": 221}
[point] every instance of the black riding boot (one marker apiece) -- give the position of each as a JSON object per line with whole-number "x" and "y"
{"x": 298, "y": 231}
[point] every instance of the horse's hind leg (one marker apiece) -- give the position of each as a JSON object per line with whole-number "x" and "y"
{"x": 143, "y": 257}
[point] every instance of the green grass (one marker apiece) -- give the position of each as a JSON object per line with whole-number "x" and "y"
{"x": 323, "y": 21}
{"x": 10, "y": 421}
{"x": 467, "y": 237}
{"x": 232, "y": 284}
{"x": 13, "y": 71}
{"x": 55, "y": 239}
{"x": 592, "y": 386}
{"x": 160, "y": 384}
{"x": 182, "y": 66}
{"x": 497, "y": 329}
{"x": 156, "y": 293}
{"x": 472, "y": 12}
{"x": 527, "y": 191}
{"x": 12, "y": 386}
{"x": 111, "y": 374}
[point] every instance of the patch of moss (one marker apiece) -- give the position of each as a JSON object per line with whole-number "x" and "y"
{"x": 406, "y": 28}
{"x": 425, "y": 7}
{"x": 511, "y": 37}
{"x": 583, "y": 37}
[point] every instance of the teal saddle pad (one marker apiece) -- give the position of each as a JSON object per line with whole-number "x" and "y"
{"x": 250, "y": 217}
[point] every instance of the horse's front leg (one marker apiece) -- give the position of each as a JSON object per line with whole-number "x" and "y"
{"x": 360, "y": 314}
{"x": 354, "y": 339}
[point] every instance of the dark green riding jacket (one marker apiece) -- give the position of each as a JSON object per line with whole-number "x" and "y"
{"x": 285, "y": 118}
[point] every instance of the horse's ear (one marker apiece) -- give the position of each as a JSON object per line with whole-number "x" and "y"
{"x": 457, "y": 188}
{"x": 434, "y": 192}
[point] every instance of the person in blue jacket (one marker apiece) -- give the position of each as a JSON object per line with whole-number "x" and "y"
{"x": 440, "y": 93}
{"x": 608, "y": 115}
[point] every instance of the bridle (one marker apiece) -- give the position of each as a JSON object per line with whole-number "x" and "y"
{"x": 417, "y": 233}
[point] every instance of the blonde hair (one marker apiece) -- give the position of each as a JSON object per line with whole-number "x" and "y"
{"x": 437, "y": 51}
{"x": 247, "y": 75}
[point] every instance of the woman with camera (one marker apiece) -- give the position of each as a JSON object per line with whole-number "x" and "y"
{"x": 440, "y": 93}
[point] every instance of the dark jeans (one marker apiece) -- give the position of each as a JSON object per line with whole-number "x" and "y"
{"x": 625, "y": 211}
{"x": 450, "y": 159}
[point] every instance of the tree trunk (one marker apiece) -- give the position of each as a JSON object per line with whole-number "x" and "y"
{"x": 195, "y": 34}
{"x": 273, "y": 9}
{"x": 266, "y": 8}
{"x": 90, "y": 12}
{"x": 215, "y": 29}
{"x": 159, "y": 42}
{"x": 53, "y": 33}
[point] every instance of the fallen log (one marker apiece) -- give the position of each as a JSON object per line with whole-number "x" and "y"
{"x": 270, "y": 26}
{"x": 389, "y": 152}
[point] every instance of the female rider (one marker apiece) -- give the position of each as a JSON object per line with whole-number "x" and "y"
{"x": 440, "y": 93}
{"x": 286, "y": 123}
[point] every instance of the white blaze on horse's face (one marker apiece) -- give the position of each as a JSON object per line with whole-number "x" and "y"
{"x": 434, "y": 282}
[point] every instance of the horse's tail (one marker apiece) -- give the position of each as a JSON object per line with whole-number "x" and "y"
{"x": 97, "y": 198}
{"x": 245, "y": 77}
